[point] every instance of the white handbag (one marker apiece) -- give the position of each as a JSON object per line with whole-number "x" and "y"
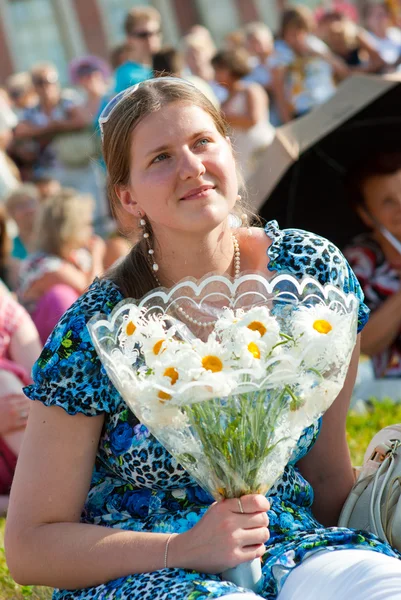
{"x": 374, "y": 503}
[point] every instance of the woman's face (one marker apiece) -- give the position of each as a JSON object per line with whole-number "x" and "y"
{"x": 24, "y": 212}
{"x": 183, "y": 175}
{"x": 382, "y": 195}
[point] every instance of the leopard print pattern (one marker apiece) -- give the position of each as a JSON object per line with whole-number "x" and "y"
{"x": 138, "y": 486}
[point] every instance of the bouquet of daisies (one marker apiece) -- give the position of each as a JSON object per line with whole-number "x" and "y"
{"x": 228, "y": 374}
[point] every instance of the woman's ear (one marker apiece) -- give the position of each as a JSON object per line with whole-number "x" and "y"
{"x": 128, "y": 203}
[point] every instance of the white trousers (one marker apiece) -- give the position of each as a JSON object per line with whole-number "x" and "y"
{"x": 340, "y": 575}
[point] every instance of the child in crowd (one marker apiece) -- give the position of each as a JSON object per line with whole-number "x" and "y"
{"x": 302, "y": 71}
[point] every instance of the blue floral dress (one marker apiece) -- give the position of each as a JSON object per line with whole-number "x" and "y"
{"x": 136, "y": 485}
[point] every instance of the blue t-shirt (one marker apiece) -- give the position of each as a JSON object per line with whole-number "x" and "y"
{"x": 19, "y": 251}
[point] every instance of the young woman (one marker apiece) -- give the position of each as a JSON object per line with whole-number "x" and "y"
{"x": 105, "y": 496}
{"x": 66, "y": 259}
{"x": 246, "y": 108}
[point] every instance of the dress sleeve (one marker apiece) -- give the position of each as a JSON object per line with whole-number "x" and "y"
{"x": 303, "y": 253}
{"x": 68, "y": 372}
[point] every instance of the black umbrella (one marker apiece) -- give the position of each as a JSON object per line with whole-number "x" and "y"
{"x": 300, "y": 180}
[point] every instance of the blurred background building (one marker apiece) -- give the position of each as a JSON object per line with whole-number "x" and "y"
{"x": 34, "y": 30}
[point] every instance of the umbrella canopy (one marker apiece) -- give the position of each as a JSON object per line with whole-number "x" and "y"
{"x": 300, "y": 180}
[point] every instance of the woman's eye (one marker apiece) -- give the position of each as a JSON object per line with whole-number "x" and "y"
{"x": 203, "y": 142}
{"x": 160, "y": 157}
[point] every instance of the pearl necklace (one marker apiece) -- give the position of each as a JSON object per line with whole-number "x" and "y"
{"x": 237, "y": 269}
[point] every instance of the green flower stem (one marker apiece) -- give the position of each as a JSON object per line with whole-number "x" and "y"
{"x": 237, "y": 436}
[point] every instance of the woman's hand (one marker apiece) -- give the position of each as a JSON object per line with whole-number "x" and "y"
{"x": 14, "y": 411}
{"x": 224, "y": 537}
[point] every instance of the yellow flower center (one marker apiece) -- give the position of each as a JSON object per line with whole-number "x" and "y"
{"x": 163, "y": 396}
{"x": 172, "y": 373}
{"x": 254, "y": 349}
{"x": 130, "y": 329}
{"x": 257, "y": 326}
{"x": 212, "y": 363}
{"x": 157, "y": 347}
{"x": 322, "y": 326}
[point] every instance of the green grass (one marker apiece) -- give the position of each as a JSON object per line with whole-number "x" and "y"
{"x": 360, "y": 430}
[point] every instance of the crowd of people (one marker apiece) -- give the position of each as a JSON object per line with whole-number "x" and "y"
{"x": 59, "y": 229}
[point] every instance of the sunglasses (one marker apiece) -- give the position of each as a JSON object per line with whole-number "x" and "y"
{"x": 114, "y": 102}
{"x": 46, "y": 80}
{"x": 144, "y": 35}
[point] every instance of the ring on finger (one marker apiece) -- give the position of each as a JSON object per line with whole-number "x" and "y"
{"x": 241, "y": 508}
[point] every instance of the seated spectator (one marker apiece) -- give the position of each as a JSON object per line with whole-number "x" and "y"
{"x": 302, "y": 70}
{"x": 375, "y": 256}
{"x": 10, "y": 177}
{"x": 67, "y": 258}
{"x": 260, "y": 45}
{"x": 22, "y": 205}
{"x": 198, "y": 54}
{"x": 8, "y": 266}
{"x": 46, "y": 186}
{"x": 170, "y": 61}
{"x": 53, "y": 115}
{"x": 19, "y": 348}
{"x": 352, "y": 43}
{"x": 21, "y": 92}
{"x": 377, "y": 17}
{"x": 143, "y": 37}
{"x": 92, "y": 75}
{"x": 246, "y": 108}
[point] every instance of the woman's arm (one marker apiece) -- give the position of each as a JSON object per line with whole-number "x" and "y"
{"x": 383, "y": 326}
{"x": 47, "y": 545}
{"x": 257, "y": 108}
{"x": 25, "y": 345}
{"x": 278, "y": 84}
{"x": 327, "y": 467}
{"x": 49, "y": 490}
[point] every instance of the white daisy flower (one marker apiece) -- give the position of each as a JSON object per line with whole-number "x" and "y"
{"x": 212, "y": 356}
{"x": 152, "y": 406}
{"x": 260, "y": 320}
{"x": 131, "y": 329}
{"x": 250, "y": 351}
{"x": 228, "y": 321}
{"x": 322, "y": 333}
{"x": 155, "y": 340}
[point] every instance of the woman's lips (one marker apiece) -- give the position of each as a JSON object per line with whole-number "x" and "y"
{"x": 198, "y": 193}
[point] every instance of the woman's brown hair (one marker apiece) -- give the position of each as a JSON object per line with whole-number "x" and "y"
{"x": 134, "y": 276}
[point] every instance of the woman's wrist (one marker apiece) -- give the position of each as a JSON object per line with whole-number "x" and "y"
{"x": 178, "y": 555}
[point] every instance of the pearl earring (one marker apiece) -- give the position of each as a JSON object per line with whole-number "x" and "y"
{"x": 146, "y": 236}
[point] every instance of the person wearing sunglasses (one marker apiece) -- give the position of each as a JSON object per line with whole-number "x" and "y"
{"x": 54, "y": 114}
{"x": 142, "y": 28}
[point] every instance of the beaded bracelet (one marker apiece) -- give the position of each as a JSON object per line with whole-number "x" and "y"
{"x": 166, "y": 549}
